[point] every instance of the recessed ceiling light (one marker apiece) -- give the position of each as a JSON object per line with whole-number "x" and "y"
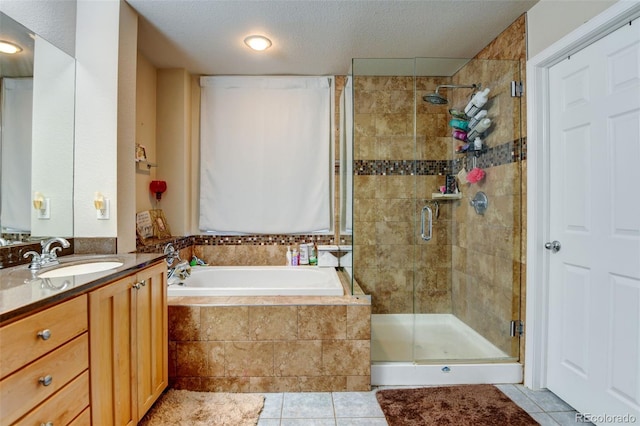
{"x": 257, "y": 42}
{"x": 9, "y": 48}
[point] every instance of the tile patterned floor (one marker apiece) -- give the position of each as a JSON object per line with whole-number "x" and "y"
{"x": 361, "y": 408}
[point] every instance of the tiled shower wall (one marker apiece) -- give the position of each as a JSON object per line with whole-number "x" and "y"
{"x": 472, "y": 266}
{"x": 386, "y": 245}
{"x": 488, "y": 250}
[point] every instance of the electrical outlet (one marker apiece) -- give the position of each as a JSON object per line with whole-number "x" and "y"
{"x": 103, "y": 214}
{"x": 45, "y": 212}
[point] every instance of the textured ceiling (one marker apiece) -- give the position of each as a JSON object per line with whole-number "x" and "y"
{"x": 318, "y": 37}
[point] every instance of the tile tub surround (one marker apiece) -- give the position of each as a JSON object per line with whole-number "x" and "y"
{"x": 270, "y": 344}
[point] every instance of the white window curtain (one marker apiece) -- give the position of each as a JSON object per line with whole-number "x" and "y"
{"x": 265, "y": 155}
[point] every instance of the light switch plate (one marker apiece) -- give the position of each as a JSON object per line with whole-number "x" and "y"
{"x": 104, "y": 213}
{"x": 45, "y": 213}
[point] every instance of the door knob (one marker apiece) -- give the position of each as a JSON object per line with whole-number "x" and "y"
{"x": 554, "y": 246}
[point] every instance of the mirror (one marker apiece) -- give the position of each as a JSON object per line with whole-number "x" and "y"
{"x": 37, "y": 109}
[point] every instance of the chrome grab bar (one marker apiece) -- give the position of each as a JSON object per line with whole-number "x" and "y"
{"x": 426, "y": 237}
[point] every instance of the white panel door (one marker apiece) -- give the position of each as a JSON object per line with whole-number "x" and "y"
{"x": 594, "y": 279}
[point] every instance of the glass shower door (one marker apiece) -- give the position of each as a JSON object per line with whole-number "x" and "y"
{"x": 451, "y": 295}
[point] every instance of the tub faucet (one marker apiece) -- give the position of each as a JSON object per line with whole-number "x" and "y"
{"x": 180, "y": 272}
{"x": 3, "y": 242}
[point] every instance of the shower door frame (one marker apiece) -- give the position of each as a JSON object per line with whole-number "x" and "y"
{"x": 417, "y": 205}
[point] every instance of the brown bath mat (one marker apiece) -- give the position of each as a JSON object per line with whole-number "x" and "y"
{"x": 475, "y": 405}
{"x": 187, "y": 408}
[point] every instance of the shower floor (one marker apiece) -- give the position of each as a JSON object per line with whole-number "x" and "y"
{"x": 437, "y": 337}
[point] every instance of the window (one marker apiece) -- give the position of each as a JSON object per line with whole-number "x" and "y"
{"x": 266, "y": 155}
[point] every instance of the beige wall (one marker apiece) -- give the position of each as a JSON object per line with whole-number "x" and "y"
{"x": 105, "y": 110}
{"x": 173, "y": 143}
{"x": 550, "y": 20}
{"x": 145, "y": 131}
{"x": 126, "y": 133}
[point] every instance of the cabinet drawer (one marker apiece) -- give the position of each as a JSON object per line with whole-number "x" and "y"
{"x": 21, "y": 342}
{"x": 24, "y": 389}
{"x": 84, "y": 419}
{"x": 63, "y": 406}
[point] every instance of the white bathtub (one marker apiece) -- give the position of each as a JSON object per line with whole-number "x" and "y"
{"x": 259, "y": 281}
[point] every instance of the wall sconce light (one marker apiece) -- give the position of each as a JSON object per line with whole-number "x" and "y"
{"x": 41, "y": 204}
{"x": 158, "y": 187}
{"x": 101, "y": 205}
{"x": 257, "y": 42}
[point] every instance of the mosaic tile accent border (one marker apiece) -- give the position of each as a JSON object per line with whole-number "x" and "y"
{"x": 261, "y": 240}
{"x": 245, "y": 240}
{"x": 157, "y": 246}
{"x": 506, "y": 153}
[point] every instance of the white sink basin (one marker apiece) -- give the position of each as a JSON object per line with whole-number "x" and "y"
{"x": 80, "y": 269}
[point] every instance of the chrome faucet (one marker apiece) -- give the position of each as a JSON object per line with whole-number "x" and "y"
{"x": 3, "y": 242}
{"x": 181, "y": 270}
{"x": 49, "y": 255}
{"x": 46, "y": 247}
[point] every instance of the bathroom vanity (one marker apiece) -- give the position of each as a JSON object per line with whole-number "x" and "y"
{"x": 83, "y": 349}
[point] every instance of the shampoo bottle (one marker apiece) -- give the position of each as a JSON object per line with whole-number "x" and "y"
{"x": 476, "y": 119}
{"x": 477, "y": 102}
{"x": 289, "y": 256}
{"x": 460, "y": 135}
{"x": 295, "y": 257}
{"x": 304, "y": 254}
{"x": 480, "y": 128}
{"x": 459, "y": 124}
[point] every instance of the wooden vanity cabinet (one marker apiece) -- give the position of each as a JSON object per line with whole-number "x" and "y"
{"x": 44, "y": 361}
{"x": 128, "y": 346}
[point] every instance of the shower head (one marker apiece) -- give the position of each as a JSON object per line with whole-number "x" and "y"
{"x": 437, "y": 99}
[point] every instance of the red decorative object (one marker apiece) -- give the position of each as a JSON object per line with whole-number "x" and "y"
{"x": 158, "y": 187}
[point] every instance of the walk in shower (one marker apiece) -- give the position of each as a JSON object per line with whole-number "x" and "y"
{"x": 444, "y": 277}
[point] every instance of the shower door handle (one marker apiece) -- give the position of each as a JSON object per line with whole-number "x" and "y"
{"x": 426, "y": 211}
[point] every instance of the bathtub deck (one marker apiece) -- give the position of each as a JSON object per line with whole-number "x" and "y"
{"x": 267, "y": 300}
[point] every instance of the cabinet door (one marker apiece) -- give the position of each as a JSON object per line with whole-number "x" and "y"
{"x": 112, "y": 366}
{"x": 151, "y": 335}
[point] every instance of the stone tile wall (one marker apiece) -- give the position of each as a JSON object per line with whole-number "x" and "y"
{"x": 388, "y": 195}
{"x": 270, "y": 344}
{"x": 488, "y": 250}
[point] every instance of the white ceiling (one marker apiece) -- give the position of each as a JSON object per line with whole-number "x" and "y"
{"x": 314, "y": 37}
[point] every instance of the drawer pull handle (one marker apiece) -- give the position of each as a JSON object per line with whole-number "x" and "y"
{"x": 46, "y": 424}
{"x": 46, "y": 380}
{"x": 143, "y": 283}
{"x": 44, "y": 334}
{"x": 136, "y": 286}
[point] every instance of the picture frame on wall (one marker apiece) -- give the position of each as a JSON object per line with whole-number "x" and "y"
{"x": 151, "y": 226}
{"x": 141, "y": 153}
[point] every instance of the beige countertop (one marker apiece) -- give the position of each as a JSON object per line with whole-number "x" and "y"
{"x": 22, "y": 291}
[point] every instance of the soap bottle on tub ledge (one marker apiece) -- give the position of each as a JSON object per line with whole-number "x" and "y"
{"x": 289, "y": 256}
{"x": 313, "y": 254}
